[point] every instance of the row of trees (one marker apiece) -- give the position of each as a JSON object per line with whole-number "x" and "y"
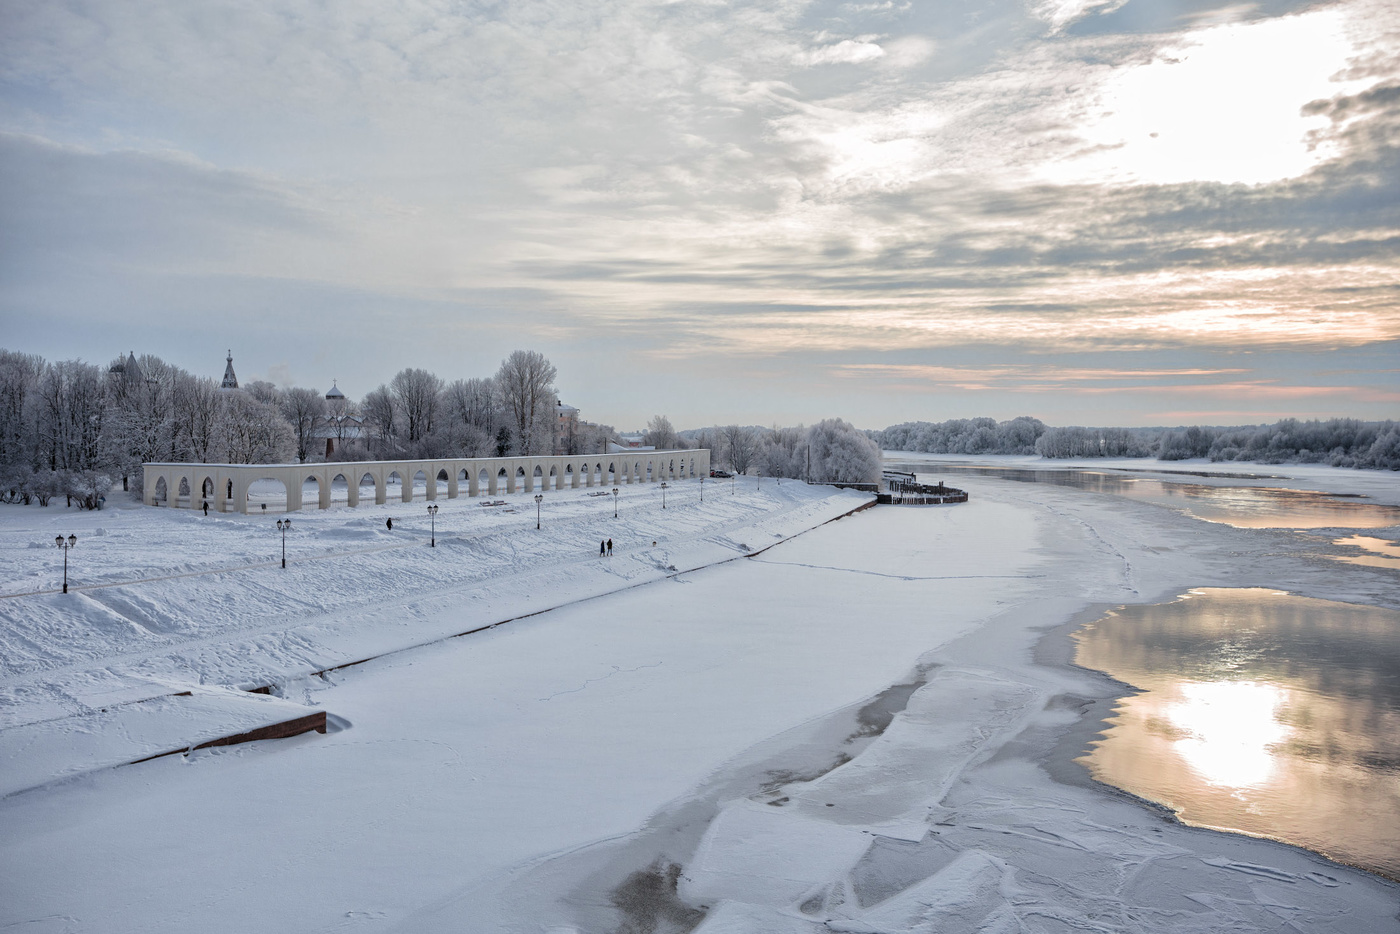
{"x": 66, "y": 427}
{"x": 829, "y": 451}
{"x": 964, "y": 436}
{"x": 417, "y": 414}
{"x": 1341, "y": 442}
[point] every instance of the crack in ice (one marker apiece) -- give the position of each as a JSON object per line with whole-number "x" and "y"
{"x": 615, "y": 671}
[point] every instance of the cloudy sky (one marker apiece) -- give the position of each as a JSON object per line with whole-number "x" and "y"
{"x": 1136, "y": 212}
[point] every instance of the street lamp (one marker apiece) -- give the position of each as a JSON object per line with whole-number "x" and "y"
{"x": 282, "y": 526}
{"x": 432, "y": 517}
{"x": 70, "y": 542}
{"x": 614, "y": 502}
{"x": 663, "y": 494}
{"x": 539, "y": 498}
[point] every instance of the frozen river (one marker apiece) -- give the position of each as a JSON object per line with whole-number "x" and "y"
{"x": 1261, "y": 712}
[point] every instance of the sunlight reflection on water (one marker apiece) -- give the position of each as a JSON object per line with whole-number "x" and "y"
{"x": 1260, "y": 712}
{"x": 1383, "y": 553}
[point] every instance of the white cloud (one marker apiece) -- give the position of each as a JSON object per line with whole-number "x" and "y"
{"x": 1060, "y": 13}
{"x": 631, "y": 160}
{"x": 845, "y": 52}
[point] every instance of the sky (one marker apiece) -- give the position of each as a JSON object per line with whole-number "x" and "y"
{"x": 1099, "y": 212}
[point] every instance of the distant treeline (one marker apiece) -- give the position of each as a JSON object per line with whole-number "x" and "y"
{"x": 1339, "y": 442}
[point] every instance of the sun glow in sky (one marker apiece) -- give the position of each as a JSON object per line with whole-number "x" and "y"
{"x": 799, "y": 210}
{"x": 1223, "y": 104}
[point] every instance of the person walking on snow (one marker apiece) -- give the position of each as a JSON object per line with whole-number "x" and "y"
{"x": 602, "y": 548}
{"x": 609, "y": 548}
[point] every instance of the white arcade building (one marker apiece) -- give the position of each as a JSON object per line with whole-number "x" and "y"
{"x": 225, "y": 487}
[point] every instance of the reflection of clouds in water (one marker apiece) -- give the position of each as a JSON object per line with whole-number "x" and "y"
{"x": 1384, "y": 553}
{"x": 1259, "y": 711}
{"x": 1230, "y": 730}
{"x": 1244, "y": 507}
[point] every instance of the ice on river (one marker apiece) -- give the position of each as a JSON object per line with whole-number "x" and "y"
{"x": 715, "y": 747}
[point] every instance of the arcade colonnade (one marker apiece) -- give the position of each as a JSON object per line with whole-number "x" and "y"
{"x": 225, "y": 486}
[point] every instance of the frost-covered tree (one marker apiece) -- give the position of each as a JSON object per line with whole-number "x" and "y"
{"x": 525, "y": 384}
{"x": 19, "y": 377}
{"x": 263, "y": 391}
{"x": 196, "y": 405}
{"x": 594, "y": 438}
{"x": 783, "y": 452}
{"x": 251, "y": 431}
{"x": 380, "y": 413}
{"x": 964, "y": 436}
{"x": 1074, "y": 441}
{"x": 843, "y": 453}
{"x": 1384, "y": 452}
{"x": 417, "y": 394}
{"x": 304, "y": 410}
{"x": 710, "y": 439}
{"x": 71, "y": 414}
{"x": 660, "y": 434}
{"x": 142, "y": 423}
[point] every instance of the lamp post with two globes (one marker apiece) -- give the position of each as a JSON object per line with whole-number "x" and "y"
{"x": 70, "y": 542}
{"x": 282, "y": 526}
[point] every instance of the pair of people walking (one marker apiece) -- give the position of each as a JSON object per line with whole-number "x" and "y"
{"x": 605, "y": 548}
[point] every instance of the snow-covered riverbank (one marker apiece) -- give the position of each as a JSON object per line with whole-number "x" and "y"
{"x": 531, "y": 777}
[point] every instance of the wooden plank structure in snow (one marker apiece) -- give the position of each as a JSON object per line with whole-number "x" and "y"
{"x": 225, "y": 486}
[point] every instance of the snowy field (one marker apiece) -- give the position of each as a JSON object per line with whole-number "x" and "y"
{"x": 866, "y": 727}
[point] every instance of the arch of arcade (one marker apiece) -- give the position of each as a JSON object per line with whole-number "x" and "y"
{"x": 225, "y": 486}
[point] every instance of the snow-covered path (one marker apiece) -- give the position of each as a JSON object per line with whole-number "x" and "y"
{"x": 528, "y": 777}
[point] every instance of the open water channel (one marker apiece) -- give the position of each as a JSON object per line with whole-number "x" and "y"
{"x": 1260, "y": 712}
{"x": 1257, "y": 711}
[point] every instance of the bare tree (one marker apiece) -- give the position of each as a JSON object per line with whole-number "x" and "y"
{"x": 71, "y": 411}
{"x": 740, "y": 447}
{"x": 19, "y": 376}
{"x": 196, "y": 405}
{"x": 473, "y": 402}
{"x": 382, "y": 421}
{"x": 339, "y": 415}
{"x": 712, "y": 440}
{"x": 303, "y": 410}
{"x": 251, "y": 431}
{"x": 525, "y": 383}
{"x": 417, "y": 393}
